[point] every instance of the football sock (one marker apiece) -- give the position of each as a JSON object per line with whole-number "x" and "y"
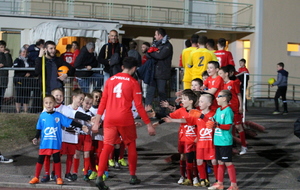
{"x": 243, "y": 139}
{"x": 47, "y": 165}
{"x": 195, "y": 169}
{"x": 107, "y": 149}
{"x": 189, "y": 170}
{"x": 58, "y": 169}
{"x": 231, "y": 173}
{"x": 132, "y": 157}
{"x": 76, "y": 165}
{"x": 38, "y": 168}
{"x": 87, "y": 164}
{"x": 182, "y": 164}
{"x": 221, "y": 170}
{"x": 202, "y": 171}
{"x": 69, "y": 162}
{"x": 216, "y": 171}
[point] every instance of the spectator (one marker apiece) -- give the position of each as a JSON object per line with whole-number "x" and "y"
{"x": 163, "y": 58}
{"x": 87, "y": 60}
{"x": 5, "y": 61}
{"x": 76, "y": 51}
{"x": 282, "y": 83}
{"x": 105, "y": 56}
{"x": 145, "y": 47}
{"x": 33, "y": 51}
{"x": 68, "y": 55}
{"x": 134, "y": 53}
{"x": 224, "y": 57}
{"x": 52, "y": 64}
{"x": 22, "y": 81}
{"x": 210, "y": 45}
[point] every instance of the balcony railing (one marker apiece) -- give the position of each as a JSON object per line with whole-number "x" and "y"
{"x": 179, "y": 12}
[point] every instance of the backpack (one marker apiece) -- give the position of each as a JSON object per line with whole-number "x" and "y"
{"x": 297, "y": 128}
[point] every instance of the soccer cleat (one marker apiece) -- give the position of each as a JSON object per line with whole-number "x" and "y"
{"x": 68, "y": 177}
{"x": 243, "y": 150}
{"x": 105, "y": 175}
{"x": 86, "y": 178}
{"x": 216, "y": 186}
{"x": 34, "y": 180}
{"x": 204, "y": 183}
{"x": 111, "y": 163}
{"x": 285, "y": 113}
{"x": 100, "y": 184}
{"x": 93, "y": 175}
{"x": 5, "y": 160}
{"x": 59, "y": 181}
{"x": 233, "y": 188}
{"x": 122, "y": 162}
{"x": 52, "y": 176}
{"x": 74, "y": 177}
{"x": 117, "y": 166}
{"x": 187, "y": 182}
{"x": 276, "y": 112}
{"x": 195, "y": 181}
{"x": 134, "y": 180}
{"x": 45, "y": 178}
{"x": 181, "y": 180}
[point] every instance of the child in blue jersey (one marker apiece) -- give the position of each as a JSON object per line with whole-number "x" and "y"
{"x": 223, "y": 141}
{"x": 48, "y": 125}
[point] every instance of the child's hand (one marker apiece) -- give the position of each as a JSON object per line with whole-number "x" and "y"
{"x": 210, "y": 124}
{"x": 179, "y": 93}
{"x": 178, "y": 100}
{"x": 85, "y": 129}
{"x": 138, "y": 124}
{"x": 155, "y": 124}
{"x": 164, "y": 104}
{"x": 34, "y": 141}
{"x": 167, "y": 119}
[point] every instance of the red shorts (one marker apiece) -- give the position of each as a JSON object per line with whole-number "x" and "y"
{"x": 97, "y": 146}
{"x": 68, "y": 148}
{"x": 189, "y": 147}
{"x": 206, "y": 153}
{"x": 119, "y": 140}
{"x": 84, "y": 143}
{"x": 48, "y": 152}
{"x": 237, "y": 119}
{"x": 113, "y": 133}
{"x": 181, "y": 147}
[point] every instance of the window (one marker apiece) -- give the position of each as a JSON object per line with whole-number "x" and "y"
{"x": 293, "y": 49}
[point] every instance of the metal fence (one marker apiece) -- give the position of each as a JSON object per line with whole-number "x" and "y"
{"x": 26, "y": 92}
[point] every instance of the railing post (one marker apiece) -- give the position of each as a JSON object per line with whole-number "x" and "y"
{"x": 293, "y": 92}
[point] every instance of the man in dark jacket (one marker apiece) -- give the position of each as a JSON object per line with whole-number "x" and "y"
{"x": 87, "y": 60}
{"x": 5, "y": 61}
{"x": 52, "y": 64}
{"x": 163, "y": 57}
{"x": 104, "y": 58}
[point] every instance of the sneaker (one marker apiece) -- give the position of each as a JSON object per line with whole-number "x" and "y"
{"x": 204, "y": 183}
{"x": 100, "y": 184}
{"x": 117, "y": 166}
{"x": 34, "y": 180}
{"x": 285, "y": 113}
{"x": 122, "y": 162}
{"x": 216, "y": 186}
{"x": 5, "y": 160}
{"x": 134, "y": 180}
{"x": 195, "y": 180}
{"x": 93, "y": 175}
{"x": 111, "y": 163}
{"x": 74, "y": 177}
{"x": 45, "y": 178}
{"x": 105, "y": 176}
{"x": 276, "y": 112}
{"x": 243, "y": 150}
{"x": 68, "y": 177}
{"x": 52, "y": 176}
{"x": 59, "y": 181}
{"x": 233, "y": 188}
{"x": 187, "y": 182}
{"x": 181, "y": 180}
{"x": 86, "y": 178}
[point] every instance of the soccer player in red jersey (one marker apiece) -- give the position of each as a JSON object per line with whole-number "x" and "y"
{"x": 213, "y": 83}
{"x": 224, "y": 57}
{"x": 119, "y": 92}
{"x": 68, "y": 55}
{"x": 233, "y": 85}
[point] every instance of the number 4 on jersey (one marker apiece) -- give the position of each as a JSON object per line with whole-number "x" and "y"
{"x": 118, "y": 90}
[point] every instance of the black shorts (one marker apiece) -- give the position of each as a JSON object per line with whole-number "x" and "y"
{"x": 224, "y": 153}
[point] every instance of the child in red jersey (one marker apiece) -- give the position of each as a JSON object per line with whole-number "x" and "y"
{"x": 205, "y": 148}
{"x": 50, "y": 144}
{"x": 213, "y": 83}
{"x": 233, "y": 85}
{"x": 186, "y": 139}
{"x": 243, "y": 69}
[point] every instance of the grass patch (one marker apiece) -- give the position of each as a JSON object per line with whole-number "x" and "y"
{"x": 17, "y": 130}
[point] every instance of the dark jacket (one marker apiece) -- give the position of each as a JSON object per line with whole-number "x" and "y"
{"x": 146, "y": 71}
{"x": 163, "y": 58}
{"x": 51, "y": 72}
{"x": 106, "y": 52}
{"x": 6, "y": 60}
{"x": 33, "y": 53}
{"x": 84, "y": 59}
{"x": 136, "y": 55}
{"x": 19, "y": 63}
